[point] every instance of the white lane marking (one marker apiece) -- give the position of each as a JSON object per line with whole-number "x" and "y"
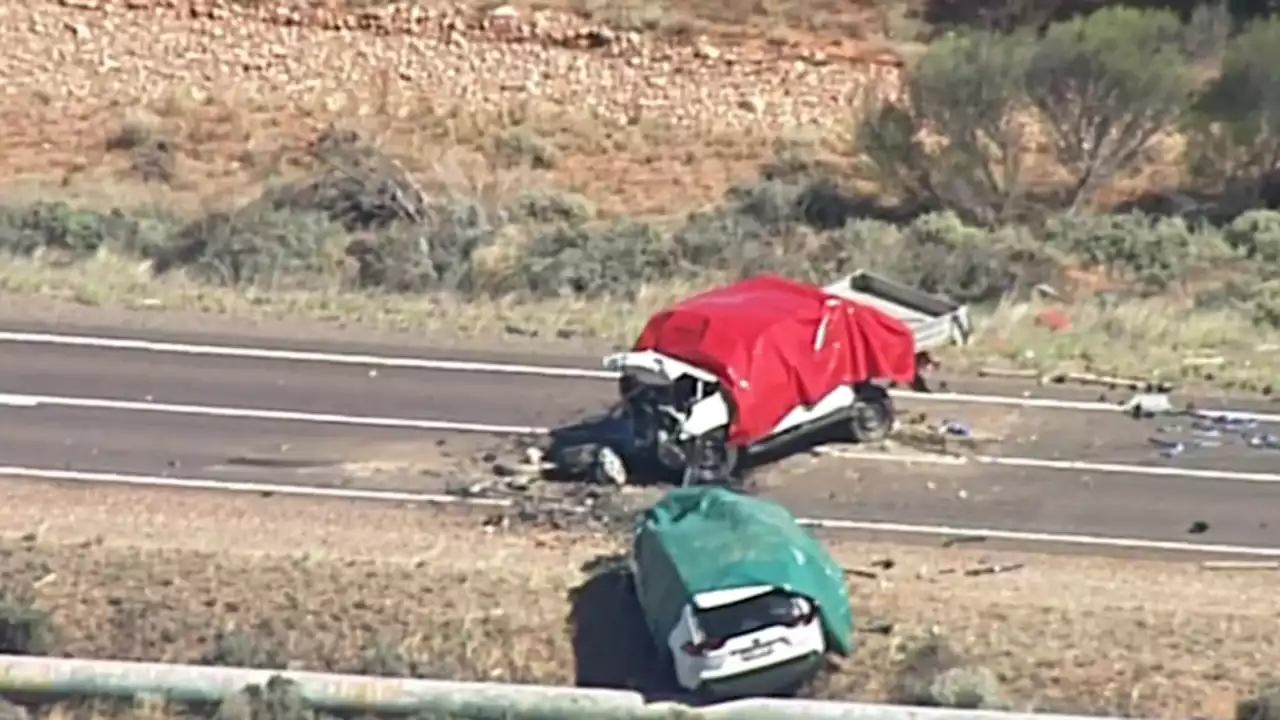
{"x": 111, "y": 478}
{"x": 393, "y": 361}
{"x": 1064, "y": 465}
{"x": 1039, "y": 537}
{"x": 108, "y": 478}
{"x": 36, "y": 401}
{"x": 253, "y": 353}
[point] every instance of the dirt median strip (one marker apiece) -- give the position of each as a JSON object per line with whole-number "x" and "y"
{"x": 155, "y": 575}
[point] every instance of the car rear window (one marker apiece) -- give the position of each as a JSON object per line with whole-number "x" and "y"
{"x": 775, "y": 608}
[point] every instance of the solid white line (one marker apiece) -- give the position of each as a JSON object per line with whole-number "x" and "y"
{"x": 1063, "y": 465}
{"x": 35, "y": 401}
{"x": 385, "y": 361}
{"x": 392, "y": 361}
{"x": 1039, "y": 537}
{"x": 161, "y": 481}
{"x": 106, "y": 478}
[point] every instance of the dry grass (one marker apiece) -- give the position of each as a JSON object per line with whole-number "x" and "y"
{"x": 651, "y": 127}
{"x": 1142, "y": 339}
{"x": 146, "y": 574}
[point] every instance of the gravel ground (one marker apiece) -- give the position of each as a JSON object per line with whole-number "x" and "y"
{"x": 156, "y": 575}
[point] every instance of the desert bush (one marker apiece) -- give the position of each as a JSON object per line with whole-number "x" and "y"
{"x": 257, "y": 648}
{"x": 258, "y": 246}
{"x": 722, "y": 240}
{"x": 940, "y": 254}
{"x": 1263, "y": 706}
{"x": 540, "y": 205}
{"x": 383, "y": 658}
{"x": 64, "y": 233}
{"x": 24, "y": 628}
{"x": 1106, "y": 85}
{"x": 519, "y": 146}
{"x": 955, "y": 139}
{"x": 1152, "y": 253}
{"x": 1255, "y": 236}
{"x": 433, "y": 254}
{"x": 277, "y": 699}
{"x": 1233, "y": 129}
{"x": 595, "y": 260}
{"x": 932, "y": 674}
{"x": 1014, "y": 15}
{"x": 1263, "y": 303}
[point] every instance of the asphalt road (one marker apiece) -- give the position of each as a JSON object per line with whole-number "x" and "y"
{"x": 1159, "y": 507}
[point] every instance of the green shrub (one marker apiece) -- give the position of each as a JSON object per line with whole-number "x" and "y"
{"x": 523, "y": 146}
{"x": 967, "y": 90}
{"x": 1255, "y": 235}
{"x": 1106, "y": 85}
{"x": 61, "y": 232}
{"x": 1155, "y": 254}
{"x": 595, "y": 260}
{"x": 259, "y": 648}
{"x": 940, "y": 254}
{"x": 1263, "y": 706}
{"x": 931, "y": 674}
{"x": 277, "y": 699}
{"x": 24, "y": 628}
{"x": 1233, "y": 130}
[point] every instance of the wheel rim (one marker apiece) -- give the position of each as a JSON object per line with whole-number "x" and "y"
{"x": 611, "y": 466}
{"x": 870, "y": 420}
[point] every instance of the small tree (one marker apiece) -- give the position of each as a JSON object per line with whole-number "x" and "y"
{"x": 1233, "y": 136}
{"x": 1106, "y": 85}
{"x": 954, "y": 138}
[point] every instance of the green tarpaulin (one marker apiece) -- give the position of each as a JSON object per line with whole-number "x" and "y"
{"x": 714, "y": 539}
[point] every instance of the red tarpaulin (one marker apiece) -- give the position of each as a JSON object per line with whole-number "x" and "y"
{"x": 760, "y": 337}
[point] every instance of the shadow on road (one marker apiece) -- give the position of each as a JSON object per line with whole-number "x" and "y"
{"x": 611, "y": 642}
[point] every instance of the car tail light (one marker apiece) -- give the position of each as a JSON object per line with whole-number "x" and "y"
{"x": 702, "y": 648}
{"x": 803, "y": 618}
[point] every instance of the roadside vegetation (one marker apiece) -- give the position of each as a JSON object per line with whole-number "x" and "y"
{"x": 1126, "y": 158}
{"x": 927, "y": 634}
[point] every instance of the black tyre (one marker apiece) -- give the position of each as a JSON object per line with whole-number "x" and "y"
{"x": 873, "y": 414}
{"x": 710, "y": 460}
{"x": 608, "y": 467}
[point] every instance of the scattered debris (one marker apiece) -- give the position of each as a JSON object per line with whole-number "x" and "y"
{"x": 1054, "y": 319}
{"x": 1212, "y": 430}
{"x": 952, "y": 542}
{"x": 997, "y": 569}
{"x": 955, "y": 429}
{"x": 1215, "y": 361}
{"x": 1148, "y": 405}
{"x": 876, "y": 627}
{"x": 1062, "y": 377}
{"x": 1010, "y": 373}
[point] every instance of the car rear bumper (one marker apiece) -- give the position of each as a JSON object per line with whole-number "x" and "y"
{"x": 780, "y": 678}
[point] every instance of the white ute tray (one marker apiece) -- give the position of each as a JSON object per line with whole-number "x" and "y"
{"x": 935, "y": 321}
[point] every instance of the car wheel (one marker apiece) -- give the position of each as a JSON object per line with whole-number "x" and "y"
{"x": 710, "y": 461}
{"x": 873, "y": 414}
{"x": 608, "y": 467}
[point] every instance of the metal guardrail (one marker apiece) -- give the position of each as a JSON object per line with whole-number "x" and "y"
{"x": 66, "y": 678}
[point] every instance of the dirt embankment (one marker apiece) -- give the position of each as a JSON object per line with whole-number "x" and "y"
{"x": 187, "y": 577}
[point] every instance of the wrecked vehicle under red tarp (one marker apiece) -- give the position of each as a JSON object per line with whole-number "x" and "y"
{"x": 776, "y": 344}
